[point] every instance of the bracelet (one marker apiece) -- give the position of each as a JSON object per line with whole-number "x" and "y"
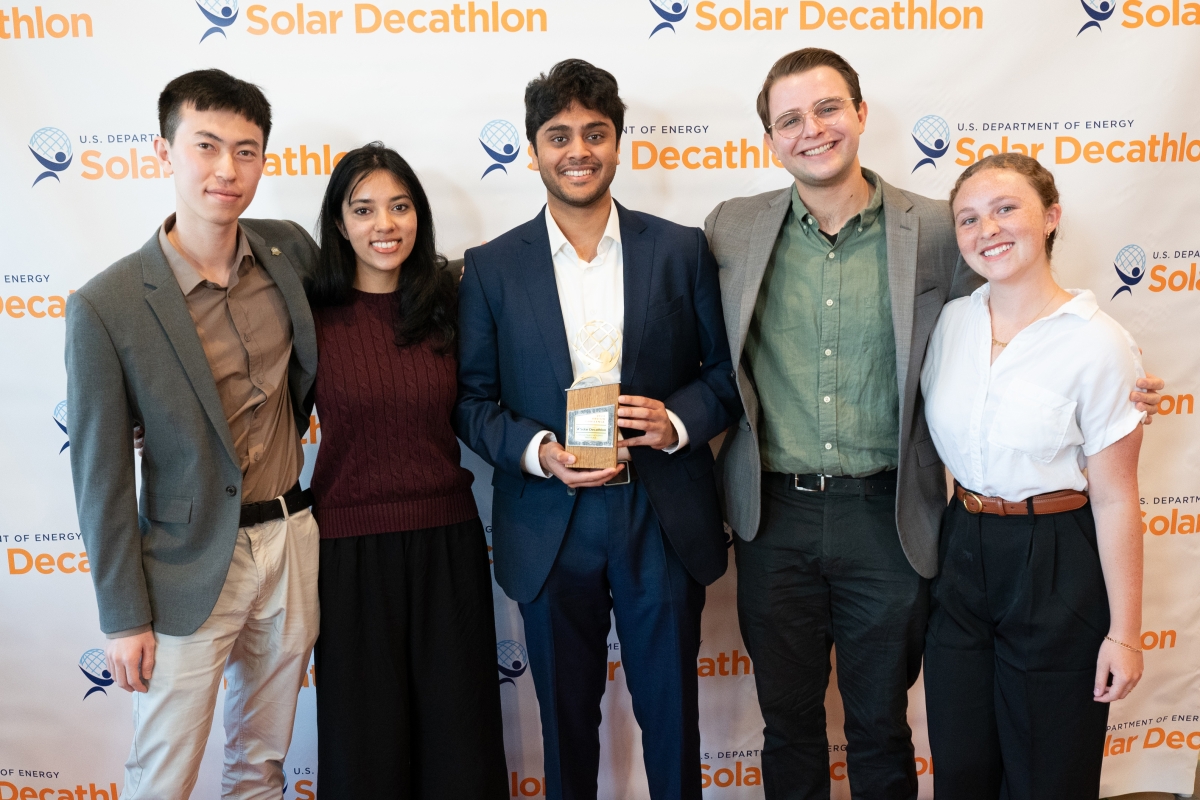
{"x": 1122, "y": 644}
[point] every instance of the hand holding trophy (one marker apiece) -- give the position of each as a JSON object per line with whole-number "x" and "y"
{"x": 592, "y": 405}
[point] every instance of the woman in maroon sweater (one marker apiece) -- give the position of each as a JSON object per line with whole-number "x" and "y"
{"x": 408, "y": 702}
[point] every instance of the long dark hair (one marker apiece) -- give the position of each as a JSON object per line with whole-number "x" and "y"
{"x": 426, "y": 295}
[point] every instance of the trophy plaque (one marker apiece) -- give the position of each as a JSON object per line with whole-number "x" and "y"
{"x": 591, "y": 405}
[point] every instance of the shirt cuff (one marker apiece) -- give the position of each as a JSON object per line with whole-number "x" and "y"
{"x": 130, "y": 632}
{"x": 679, "y": 429}
{"x": 530, "y": 461}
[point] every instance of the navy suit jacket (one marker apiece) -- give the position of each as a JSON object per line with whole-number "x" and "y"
{"x": 515, "y": 367}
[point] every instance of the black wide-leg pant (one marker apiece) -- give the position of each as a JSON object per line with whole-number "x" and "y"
{"x": 408, "y": 697}
{"x": 1019, "y": 610}
{"x": 825, "y": 569}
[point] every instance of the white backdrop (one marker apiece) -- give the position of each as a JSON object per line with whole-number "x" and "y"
{"x": 1105, "y": 96}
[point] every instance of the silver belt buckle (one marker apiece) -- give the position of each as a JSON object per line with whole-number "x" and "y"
{"x": 621, "y": 480}
{"x": 796, "y": 484}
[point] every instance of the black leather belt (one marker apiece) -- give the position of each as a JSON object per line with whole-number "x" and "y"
{"x": 268, "y": 510}
{"x": 879, "y": 483}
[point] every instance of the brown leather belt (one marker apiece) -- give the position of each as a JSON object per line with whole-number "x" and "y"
{"x": 1050, "y": 503}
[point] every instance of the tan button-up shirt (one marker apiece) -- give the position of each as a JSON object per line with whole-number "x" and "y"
{"x": 246, "y": 332}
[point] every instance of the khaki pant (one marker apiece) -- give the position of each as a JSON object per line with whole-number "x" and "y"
{"x": 259, "y": 636}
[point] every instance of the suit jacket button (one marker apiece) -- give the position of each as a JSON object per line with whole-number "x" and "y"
{"x": 571, "y": 491}
{"x": 231, "y": 491}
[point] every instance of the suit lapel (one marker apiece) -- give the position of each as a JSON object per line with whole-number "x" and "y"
{"x": 763, "y": 235}
{"x": 166, "y": 301}
{"x": 637, "y": 255}
{"x": 287, "y": 278}
{"x": 901, "y": 228}
{"x": 542, "y": 289}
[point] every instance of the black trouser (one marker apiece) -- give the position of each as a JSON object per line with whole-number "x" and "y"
{"x": 1019, "y": 612}
{"x": 828, "y": 569}
{"x": 408, "y": 697}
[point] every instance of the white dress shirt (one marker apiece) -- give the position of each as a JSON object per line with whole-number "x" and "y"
{"x": 589, "y": 291}
{"x": 1026, "y": 423}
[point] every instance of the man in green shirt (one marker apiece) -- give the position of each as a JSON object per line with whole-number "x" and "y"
{"x": 831, "y": 481}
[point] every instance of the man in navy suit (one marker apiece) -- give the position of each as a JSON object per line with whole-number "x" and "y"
{"x": 641, "y": 540}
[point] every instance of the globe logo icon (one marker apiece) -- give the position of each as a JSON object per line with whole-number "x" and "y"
{"x": 94, "y": 667}
{"x": 52, "y": 149}
{"x": 500, "y": 140}
{"x": 932, "y": 135}
{"x": 60, "y": 419}
{"x": 512, "y": 660}
{"x": 1098, "y": 10}
{"x": 221, "y": 13}
{"x": 1130, "y": 265}
{"x": 671, "y": 11}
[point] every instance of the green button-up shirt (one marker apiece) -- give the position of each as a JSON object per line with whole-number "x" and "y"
{"x": 821, "y": 348}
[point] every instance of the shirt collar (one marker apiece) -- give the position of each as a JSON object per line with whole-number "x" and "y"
{"x": 1082, "y": 303}
{"x": 612, "y": 233}
{"x": 865, "y": 218}
{"x": 185, "y": 273}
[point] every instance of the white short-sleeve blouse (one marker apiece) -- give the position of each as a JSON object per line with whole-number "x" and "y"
{"x": 1025, "y": 424}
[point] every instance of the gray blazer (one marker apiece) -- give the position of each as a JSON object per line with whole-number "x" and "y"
{"x": 924, "y": 272}
{"x": 133, "y": 355}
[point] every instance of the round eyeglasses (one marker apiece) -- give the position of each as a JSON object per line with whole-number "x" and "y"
{"x": 824, "y": 112}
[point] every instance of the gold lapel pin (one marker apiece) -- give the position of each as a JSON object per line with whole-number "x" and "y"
{"x": 275, "y": 251}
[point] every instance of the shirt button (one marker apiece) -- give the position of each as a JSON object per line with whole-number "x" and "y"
{"x": 828, "y": 352}
{"x": 828, "y": 446}
{"x": 246, "y": 337}
{"x": 826, "y": 398}
{"x": 258, "y": 380}
{"x": 860, "y": 228}
{"x": 832, "y": 254}
{"x": 231, "y": 490}
{"x": 828, "y": 302}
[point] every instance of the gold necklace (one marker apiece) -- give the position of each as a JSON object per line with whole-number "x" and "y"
{"x": 996, "y": 342}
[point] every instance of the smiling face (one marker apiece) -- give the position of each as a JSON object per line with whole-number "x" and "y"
{"x": 576, "y": 154}
{"x": 379, "y": 220}
{"x": 217, "y": 158}
{"x": 822, "y": 155}
{"x": 1002, "y": 225}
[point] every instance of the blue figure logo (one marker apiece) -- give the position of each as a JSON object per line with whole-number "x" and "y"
{"x": 512, "y": 660}
{"x": 52, "y": 148}
{"x": 1099, "y": 11}
{"x": 1130, "y": 265}
{"x": 221, "y": 13}
{"x": 932, "y": 135}
{"x": 60, "y": 419}
{"x": 502, "y": 142}
{"x": 671, "y": 11}
{"x": 95, "y": 669}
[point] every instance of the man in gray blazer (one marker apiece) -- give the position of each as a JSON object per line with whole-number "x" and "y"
{"x": 204, "y": 339}
{"x": 831, "y": 288}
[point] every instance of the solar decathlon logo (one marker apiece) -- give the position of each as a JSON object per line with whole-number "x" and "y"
{"x": 95, "y": 669}
{"x": 1130, "y": 265}
{"x": 932, "y": 135}
{"x": 671, "y": 12}
{"x": 1098, "y": 10}
{"x": 502, "y": 142}
{"x": 60, "y": 419}
{"x": 52, "y": 149}
{"x": 511, "y": 660}
{"x": 221, "y": 13}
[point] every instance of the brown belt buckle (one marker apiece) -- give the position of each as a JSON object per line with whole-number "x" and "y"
{"x": 966, "y": 501}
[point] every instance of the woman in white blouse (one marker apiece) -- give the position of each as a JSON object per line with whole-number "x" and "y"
{"x": 1036, "y": 612}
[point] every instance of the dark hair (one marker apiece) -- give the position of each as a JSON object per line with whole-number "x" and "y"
{"x": 426, "y": 300}
{"x": 1030, "y": 168}
{"x": 800, "y": 61}
{"x": 571, "y": 81}
{"x": 213, "y": 89}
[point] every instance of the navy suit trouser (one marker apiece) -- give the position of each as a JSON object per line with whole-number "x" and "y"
{"x": 615, "y": 557}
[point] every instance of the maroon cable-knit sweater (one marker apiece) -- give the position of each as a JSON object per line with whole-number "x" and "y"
{"x": 389, "y": 460}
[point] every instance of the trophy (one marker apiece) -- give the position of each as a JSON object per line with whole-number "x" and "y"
{"x": 591, "y": 405}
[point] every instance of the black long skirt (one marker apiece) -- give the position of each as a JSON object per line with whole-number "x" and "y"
{"x": 408, "y": 696}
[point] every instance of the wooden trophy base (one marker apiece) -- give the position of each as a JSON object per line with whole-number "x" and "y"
{"x": 592, "y": 426}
